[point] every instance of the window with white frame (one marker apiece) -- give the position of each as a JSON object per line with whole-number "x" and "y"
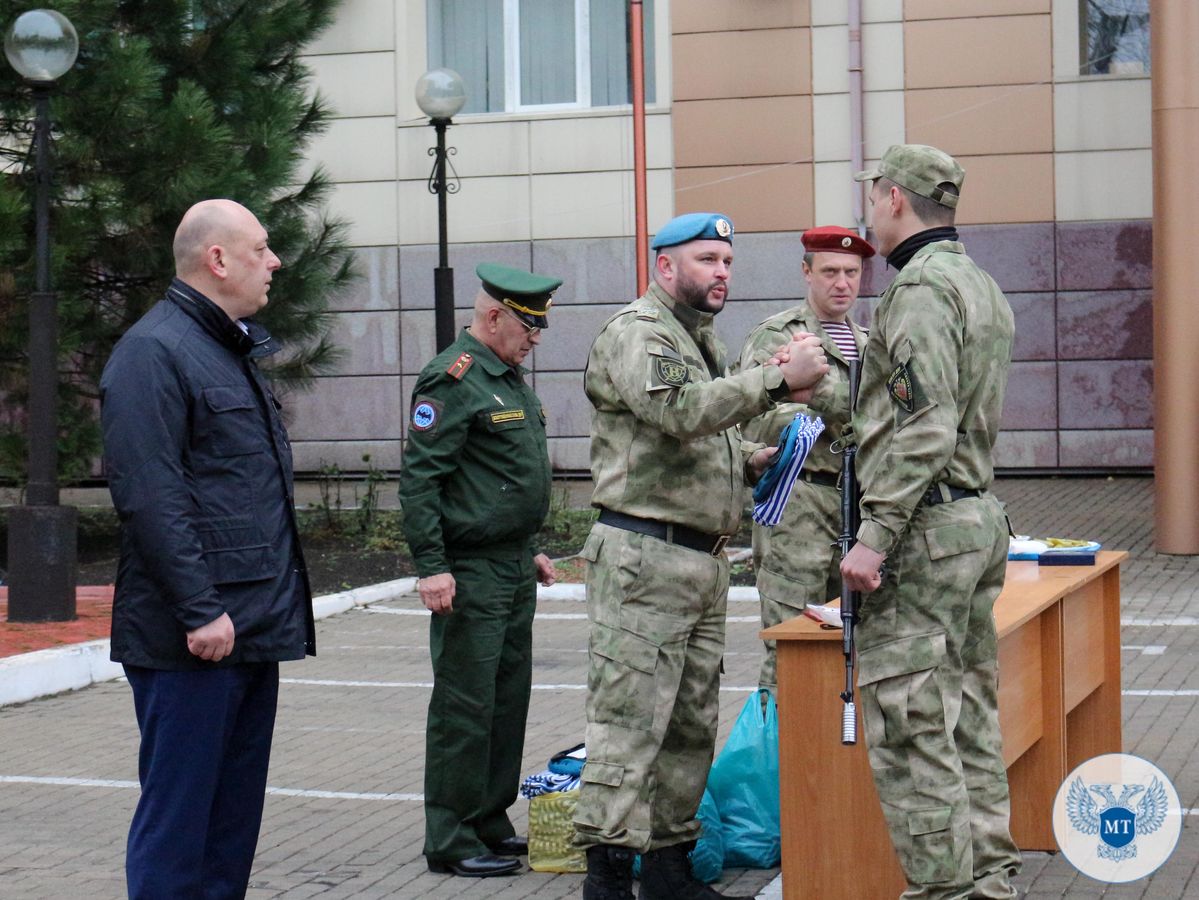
{"x": 1114, "y": 37}
{"x": 538, "y": 55}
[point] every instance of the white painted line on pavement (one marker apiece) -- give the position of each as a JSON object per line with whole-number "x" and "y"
{"x": 330, "y": 682}
{"x": 277, "y": 791}
{"x": 1146, "y": 649}
{"x": 1152, "y": 622}
{"x": 343, "y": 795}
{"x": 392, "y": 611}
{"x": 578, "y": 592}
{"x": 29, "y": 676}
{"x": 67, "y": 782}
{"x": 1161, "y": 693}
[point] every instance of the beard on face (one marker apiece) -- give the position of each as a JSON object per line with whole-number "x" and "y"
{"x": 698, "y": 296}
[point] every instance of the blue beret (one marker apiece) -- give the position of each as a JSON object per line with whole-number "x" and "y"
{"x": 693, "y": 227}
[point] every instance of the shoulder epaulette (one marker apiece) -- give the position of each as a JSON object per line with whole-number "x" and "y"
{"x": 460, "y": 366}
{"x": 646, "y": 312}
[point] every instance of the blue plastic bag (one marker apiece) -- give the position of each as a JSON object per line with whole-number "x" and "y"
{"x": 707, "y": 859}
{"x": 744, "y": 782}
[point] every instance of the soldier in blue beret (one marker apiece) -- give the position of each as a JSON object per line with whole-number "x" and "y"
{"x": 670, "y": 481}
{"x": 475, "y": 488}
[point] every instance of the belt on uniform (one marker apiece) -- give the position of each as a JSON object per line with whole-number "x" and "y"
{"x": 825, "y": 478}
{"x": 711, "y": 544}
{"x": 943, "y": 493}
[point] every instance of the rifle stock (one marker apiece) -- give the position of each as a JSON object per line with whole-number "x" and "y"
{"x": 850, "y": 520}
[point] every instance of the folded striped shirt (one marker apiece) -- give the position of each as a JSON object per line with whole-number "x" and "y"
{"x": 773, "y": 489}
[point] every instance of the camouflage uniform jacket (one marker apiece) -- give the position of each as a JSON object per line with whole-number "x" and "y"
{"x": 932, "y": 387}
{"x": 663, "y": 439}
{"x": 830, "y": 398}
{"x": 475, "y": 479}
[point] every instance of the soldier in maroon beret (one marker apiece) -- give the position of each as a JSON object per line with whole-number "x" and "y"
{"x": 797, "y": 561}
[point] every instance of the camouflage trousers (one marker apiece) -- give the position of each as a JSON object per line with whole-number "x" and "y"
{"x": 927, "y": 667}
{"x": 797, "y": 562}
{"x": 657, "y": 614}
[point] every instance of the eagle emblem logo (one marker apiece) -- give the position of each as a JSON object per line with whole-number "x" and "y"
{"x": 1118, "y": 821}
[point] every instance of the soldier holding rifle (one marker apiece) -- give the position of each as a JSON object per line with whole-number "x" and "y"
{"x": 932, "y": 391}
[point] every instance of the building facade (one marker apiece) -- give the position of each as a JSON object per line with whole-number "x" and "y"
{"x": 751, "y": 110}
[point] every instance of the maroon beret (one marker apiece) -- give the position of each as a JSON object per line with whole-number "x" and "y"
{"x": 835, "y": 239}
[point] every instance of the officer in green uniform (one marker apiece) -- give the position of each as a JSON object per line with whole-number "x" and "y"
{"x": 475, "y": 489}
{"x": 797, "y": 561}
{"x": 670, "y": 478}
{"x": 926, "y": 420}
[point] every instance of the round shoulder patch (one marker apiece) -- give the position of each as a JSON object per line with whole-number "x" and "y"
{"x": 424, "y": 416}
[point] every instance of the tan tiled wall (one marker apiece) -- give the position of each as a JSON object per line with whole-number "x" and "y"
{"x": 742, "y": 119}
{"x": 754, "y": 121}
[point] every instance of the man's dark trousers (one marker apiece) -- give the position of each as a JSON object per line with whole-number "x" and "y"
{"x": 482, "y": 675}
{"x": 206, "y": 744}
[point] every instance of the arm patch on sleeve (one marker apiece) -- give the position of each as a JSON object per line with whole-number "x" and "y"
{"x": 670, "y": 372}
{"x": 426, "y": 415}
{"x": 904, "y": 388}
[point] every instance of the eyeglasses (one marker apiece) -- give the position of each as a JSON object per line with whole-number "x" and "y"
{"x": 533, "y": 330}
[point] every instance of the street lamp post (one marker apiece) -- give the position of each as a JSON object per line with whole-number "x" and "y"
{"x": 440, "y": 94}
{"x": 41, "y": 45}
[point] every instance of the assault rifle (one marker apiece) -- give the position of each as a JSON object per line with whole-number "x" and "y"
{"x": 850, "y": 520}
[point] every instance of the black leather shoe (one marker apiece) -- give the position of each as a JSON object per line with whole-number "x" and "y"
{"x": 483, "y": 866}
{"x": 511, "y": 846}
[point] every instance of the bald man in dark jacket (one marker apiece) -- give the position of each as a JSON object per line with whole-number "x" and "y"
{"x": 211, "y": 591}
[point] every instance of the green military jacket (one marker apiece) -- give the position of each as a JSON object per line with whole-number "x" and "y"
{"x": 932, "y": 387}
{"x": 475, "y": 479}
{"x": 663, "y": 439}
{"x": 830, "y": 397}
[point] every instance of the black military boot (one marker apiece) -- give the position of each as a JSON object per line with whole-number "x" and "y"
{"x": 666, "y": 875}
{"x": 609, "y": 873}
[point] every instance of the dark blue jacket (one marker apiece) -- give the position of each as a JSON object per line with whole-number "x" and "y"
{"x": 199, "y": 466}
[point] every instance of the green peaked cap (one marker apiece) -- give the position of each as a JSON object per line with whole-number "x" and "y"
{"x": 525, "y": 293}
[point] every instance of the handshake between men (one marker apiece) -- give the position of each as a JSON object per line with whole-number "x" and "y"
{"x": 803, "y": 363}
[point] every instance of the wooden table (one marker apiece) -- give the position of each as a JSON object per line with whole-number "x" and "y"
{"x": 1059, "y": 704}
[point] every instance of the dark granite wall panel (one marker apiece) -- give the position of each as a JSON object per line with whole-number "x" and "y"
{"x": 566, "y": 343}
{"x": 1035, "y": 326}
{"x": 1105, "y": 325}
{"x": 1105, "y": 394}
{"x": 1079, "y": 396}
{"x": 1026, "y": 450}
{"x": 593, "y": 270}
{"x": 1031, "y": 398}
{"x": 1104, "y": 256}
{"x": 1018, "y": 257}
{"x": 1110, "y": 449}
{"x": 418, "y": 261}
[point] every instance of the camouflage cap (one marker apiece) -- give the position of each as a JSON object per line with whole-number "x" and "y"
{"x": 525, "y": 293}
{"x": 920, "y": 169}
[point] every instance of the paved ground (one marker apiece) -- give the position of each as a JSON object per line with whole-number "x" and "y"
{"x": 344, "y": 818}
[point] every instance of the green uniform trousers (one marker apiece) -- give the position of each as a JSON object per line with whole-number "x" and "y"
{"x": 482, "y": 674}
{"x": 798, "y": 562}
{"x": 657, "y": 613}
{"x": 927, "y": 652}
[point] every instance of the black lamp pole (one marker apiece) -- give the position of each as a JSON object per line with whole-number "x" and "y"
{"x": 443, "y": 275}
{"x": 41, "y": 533}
